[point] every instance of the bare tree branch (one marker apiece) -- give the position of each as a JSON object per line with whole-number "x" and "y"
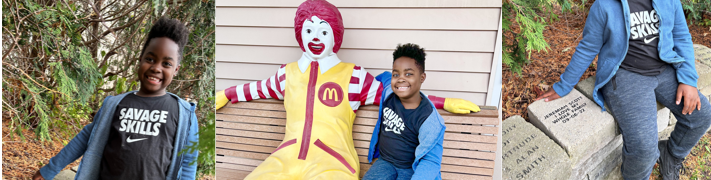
{"x": 115, "y": 29}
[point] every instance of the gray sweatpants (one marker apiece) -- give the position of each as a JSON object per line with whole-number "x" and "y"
{"x": 632, "y": 98}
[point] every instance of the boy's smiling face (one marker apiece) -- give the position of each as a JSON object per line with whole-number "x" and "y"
{"x": 158, "y": 64}
{"x": 407, "y": 78}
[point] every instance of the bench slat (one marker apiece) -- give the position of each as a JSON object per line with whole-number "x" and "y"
{"x": 468, "y": 145}
{"x": 446, "y": 175}
{"x": 243, "y": 154}
{"x": 264, "y": 142}
{"x": 250, "y": 119}
{"x": 470, "y": 137}
{"x": 467, "y": 170}
{"x": 235, "y": 167}
{"x": 245, "y": 126}
{"x": 236, "y": 146}
{"x": 252, "y": 112}
{"x": 472, "y": 129}
{"x": 238, "y": 160}
{"x": 224, "y": 173}
{"x": 467, "y": 162}
{"x": 469, "y": 154}
{"x": 255, "y": 134}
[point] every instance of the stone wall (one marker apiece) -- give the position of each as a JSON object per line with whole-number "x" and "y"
{"x": 571, "y": 138}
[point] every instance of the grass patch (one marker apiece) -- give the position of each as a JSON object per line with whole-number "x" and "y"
{"x": 697, "y": 164}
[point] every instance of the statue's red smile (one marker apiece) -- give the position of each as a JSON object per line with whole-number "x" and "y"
{"x": 317, "y": 49}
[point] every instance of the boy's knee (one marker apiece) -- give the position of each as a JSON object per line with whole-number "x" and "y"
{"x": 700, "y": 118}
{"x": 644, "y": 151}
{"x": 647, "y": 155}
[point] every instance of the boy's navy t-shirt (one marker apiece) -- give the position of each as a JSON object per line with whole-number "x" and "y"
{"x": 642, "y": 54}
{"x": 399, "y": 131}
{"x": 141, "y": 138}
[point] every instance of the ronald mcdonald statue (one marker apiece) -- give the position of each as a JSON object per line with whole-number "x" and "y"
{"x": 321, "y": 95}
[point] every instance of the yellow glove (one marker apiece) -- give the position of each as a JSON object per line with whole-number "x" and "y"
{"x": 220, "y": 99}
{"x": 460, "y": 106}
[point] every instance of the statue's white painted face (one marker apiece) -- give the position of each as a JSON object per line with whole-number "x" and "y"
{"x": 317, "y": 38}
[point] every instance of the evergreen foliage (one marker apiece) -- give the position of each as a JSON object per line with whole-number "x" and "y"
{"x": 530, "y": 18}
{"x": 696, "y": 9}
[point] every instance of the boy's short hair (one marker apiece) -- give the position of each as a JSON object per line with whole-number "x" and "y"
{"x": 412, "y": 51}
{"x": 170, "y": 28}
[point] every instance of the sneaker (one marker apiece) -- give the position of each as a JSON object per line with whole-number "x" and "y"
{"x": 669, "y": 166}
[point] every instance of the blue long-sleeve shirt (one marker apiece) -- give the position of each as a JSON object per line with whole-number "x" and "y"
{"x": 606, "y": 35}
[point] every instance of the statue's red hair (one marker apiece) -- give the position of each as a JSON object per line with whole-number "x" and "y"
{"x": 323, "y": 10}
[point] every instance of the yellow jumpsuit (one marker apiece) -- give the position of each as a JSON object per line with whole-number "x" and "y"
{"x": 318, "y": 143}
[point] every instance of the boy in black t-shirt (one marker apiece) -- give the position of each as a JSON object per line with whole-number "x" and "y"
{"x": 139, "y": 134}
{"x": 409, "y": 133}
{"x": 644, "y": 57}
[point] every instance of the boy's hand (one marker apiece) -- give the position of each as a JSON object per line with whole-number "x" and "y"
{"x": 37, "y": 176}
{"x": 460, "y": 106}
{"x": 220, "y": 99}
{"x": 549, "y": 95}
{"x": 691, "y": 98}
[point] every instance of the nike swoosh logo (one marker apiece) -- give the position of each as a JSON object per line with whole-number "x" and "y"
{"x": 646, "y": 41}
{"x": 129, "y": 140}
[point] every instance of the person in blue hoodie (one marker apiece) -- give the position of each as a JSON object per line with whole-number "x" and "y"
{"x": 645, "y": 56}
{"x": 139, "y": 134}
{"x": 409, "y": 133}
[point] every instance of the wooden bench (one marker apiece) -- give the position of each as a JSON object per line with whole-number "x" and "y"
{"x": 247, "y": 132}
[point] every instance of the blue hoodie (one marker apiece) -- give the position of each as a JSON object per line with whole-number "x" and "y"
{"x": 90, "y": 143}
{"x": 428, "y": 155}
{"x": 607, "y": 35}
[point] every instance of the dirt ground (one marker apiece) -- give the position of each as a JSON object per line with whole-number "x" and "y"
{"x": 22, "y": 158}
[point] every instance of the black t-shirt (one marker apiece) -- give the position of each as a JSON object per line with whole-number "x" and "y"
{"x": 643, "y": 55}
{"x": 399, "y": 130}
{"x": 141, "y": 138}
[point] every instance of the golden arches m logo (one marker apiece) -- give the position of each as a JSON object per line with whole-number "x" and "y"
{"x": 330, "y": 94}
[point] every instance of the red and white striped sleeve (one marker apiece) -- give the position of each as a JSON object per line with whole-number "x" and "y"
{"x": 272, "y": 87}
{"x": 364, "y": 89}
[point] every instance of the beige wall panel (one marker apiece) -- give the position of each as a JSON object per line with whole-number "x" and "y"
{"x": 476, "y": 98}
{"x": 377, "y": 18}
{"x": 459, "y": 36}
{"x": 382, "y": 59}
{"x": 471, "y": 41}
{"x": 465, "y": 82}
{"x": 365, "y": 3}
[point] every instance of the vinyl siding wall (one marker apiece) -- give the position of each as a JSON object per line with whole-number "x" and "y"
{"x": 255, "y": 37}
